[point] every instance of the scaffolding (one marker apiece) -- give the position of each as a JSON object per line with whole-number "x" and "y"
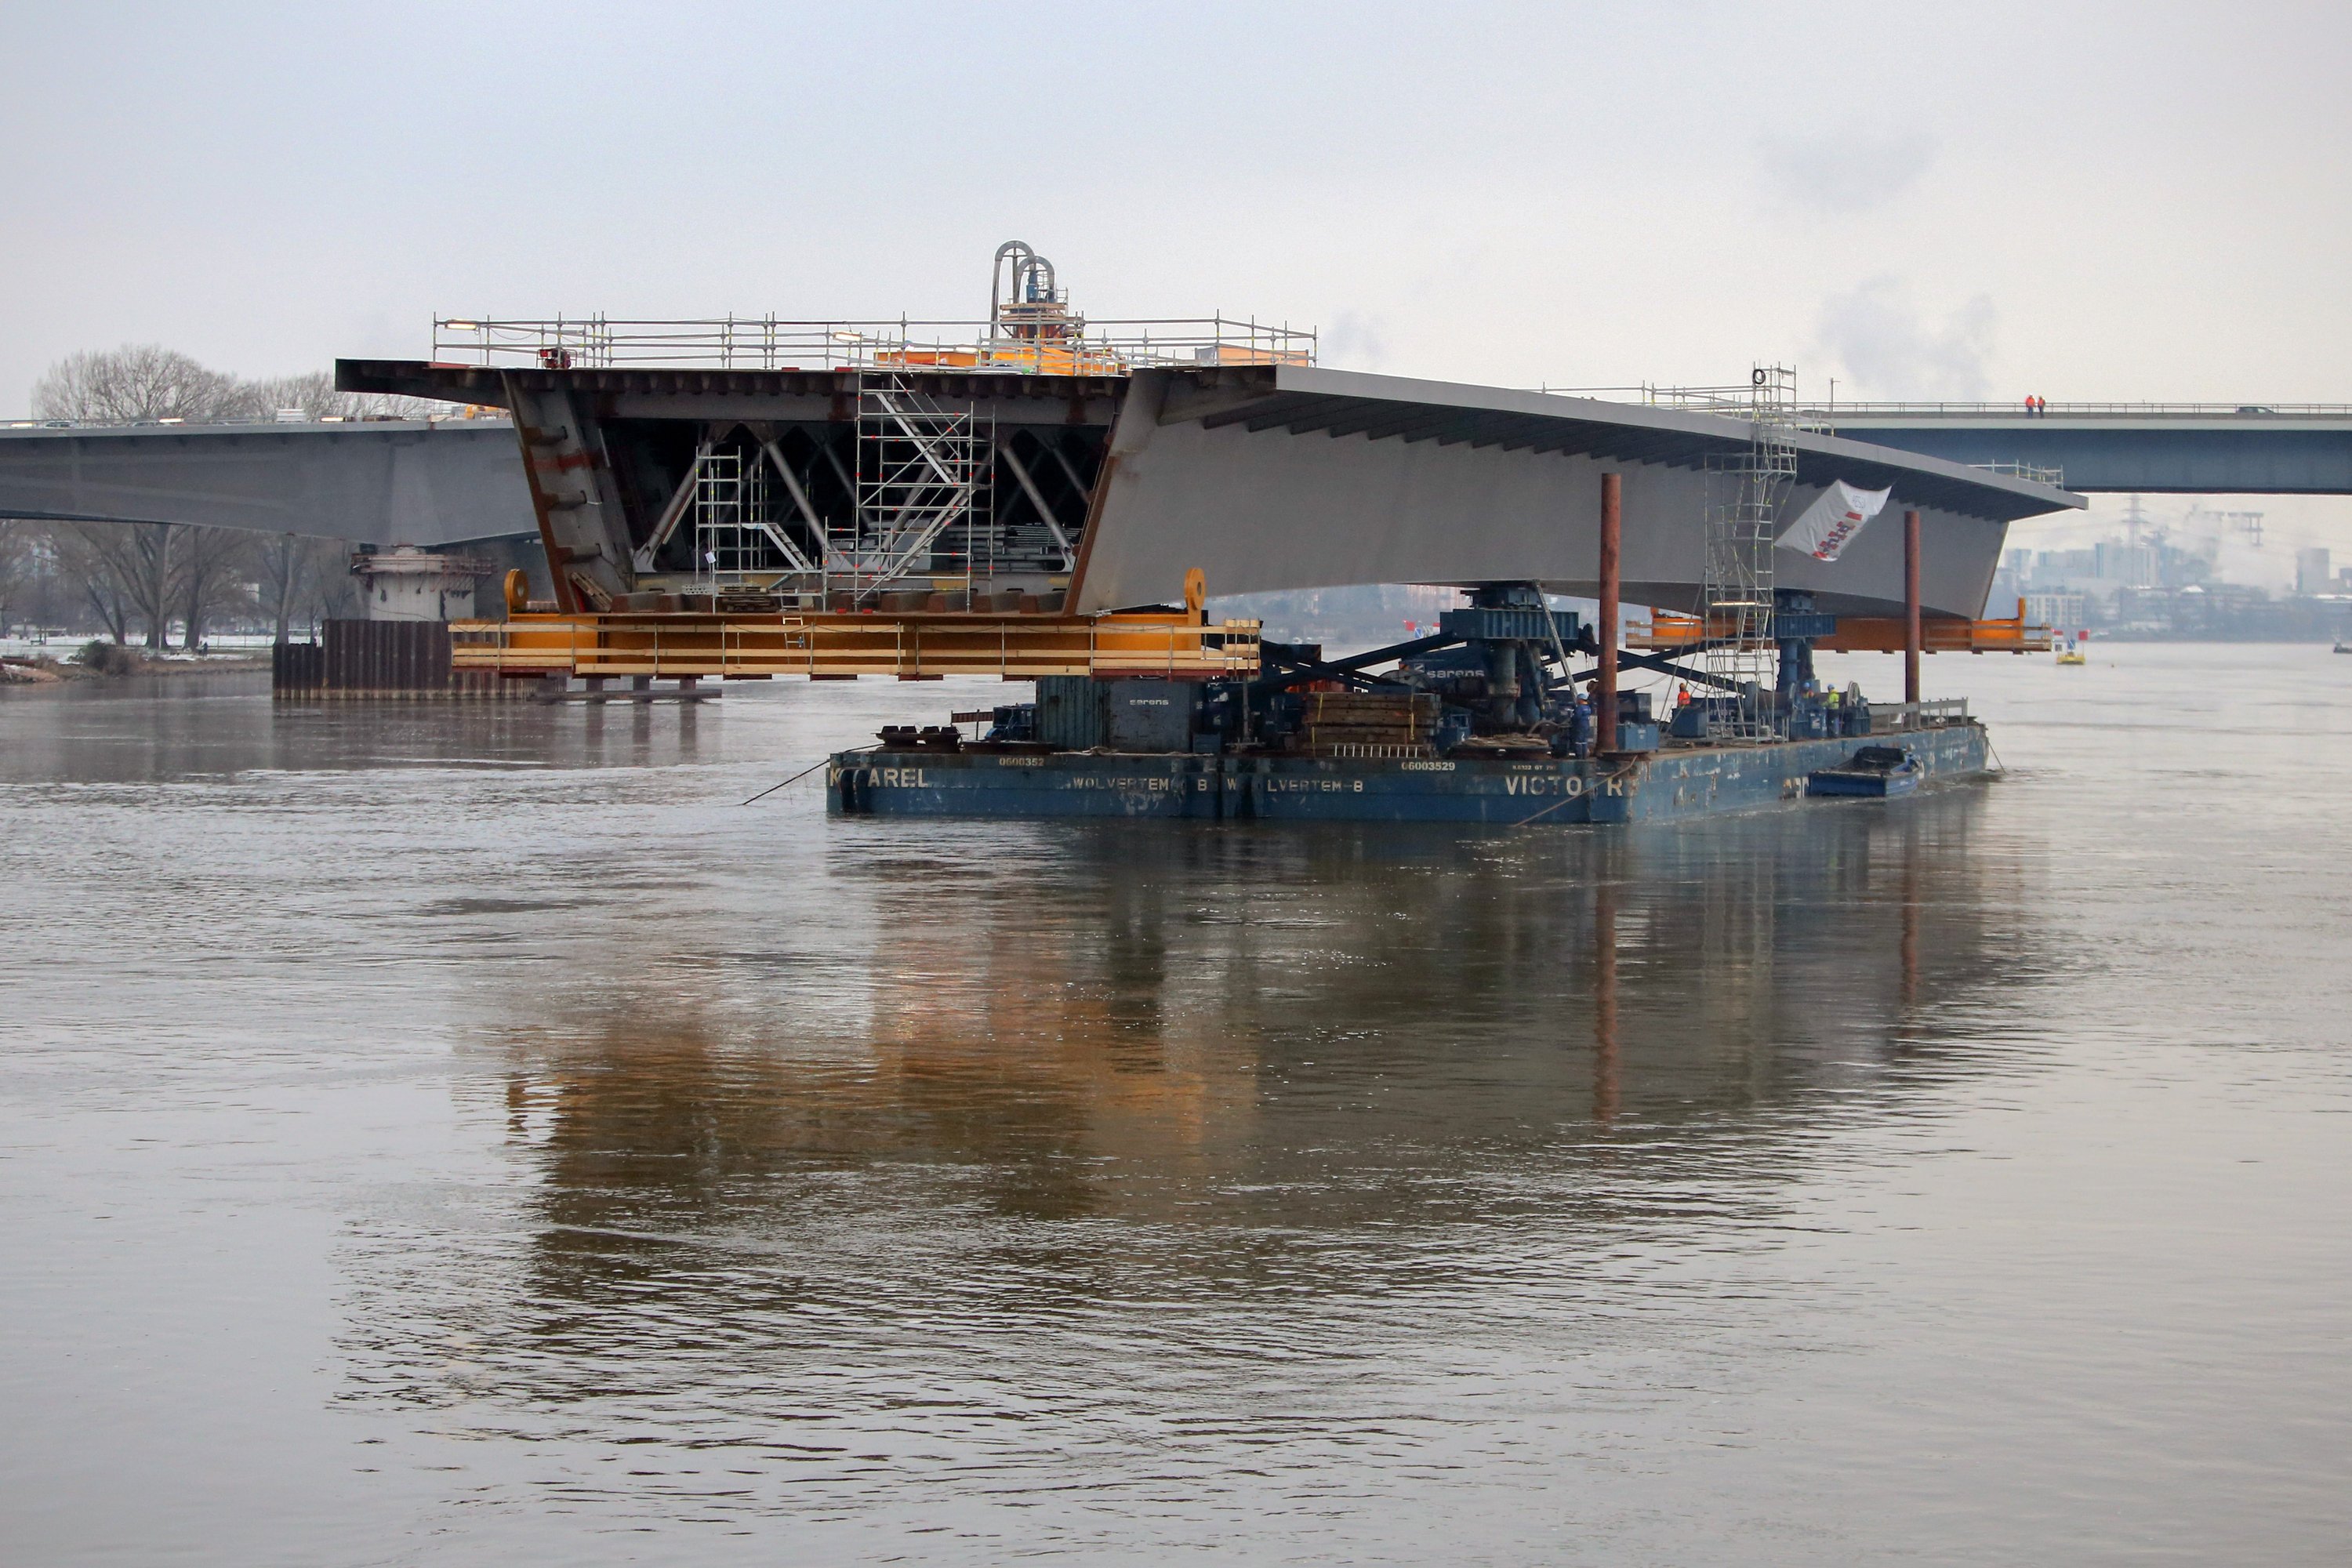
{"x": 924, "y": 497}
{"x": 736, "y": 544}
{"x": 1745, "y": 488}
{"x": 721, "y": 551}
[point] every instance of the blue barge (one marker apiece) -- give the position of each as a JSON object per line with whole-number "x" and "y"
{"x": 1678, "y": 782}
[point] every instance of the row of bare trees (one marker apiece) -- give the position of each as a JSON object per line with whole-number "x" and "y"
{"x": 121, "y": 578}
{"x": 137, "y": 582}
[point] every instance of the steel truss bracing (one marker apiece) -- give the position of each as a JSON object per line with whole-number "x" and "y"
{"x": 1746, "y": 489}
{"x": 912, "y": 497}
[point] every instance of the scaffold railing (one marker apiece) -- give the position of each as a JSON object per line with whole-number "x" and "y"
{"x": 1737, "y": 402}
{"x": 770, "y": 342}
{"x": 1731, "y": 399}
{"x": 2038, "y": 473}
{"x": 1963, "y": 409}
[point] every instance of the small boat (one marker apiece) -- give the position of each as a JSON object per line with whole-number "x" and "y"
{"x": 1874, "y": 771}
{"x": 2343, "y": 646}
{"x": 2073, "y": 655}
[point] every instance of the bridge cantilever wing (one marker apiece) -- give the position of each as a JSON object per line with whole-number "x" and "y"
{"x": 1290, "y": 476}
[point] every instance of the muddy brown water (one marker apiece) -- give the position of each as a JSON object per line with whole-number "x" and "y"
{"x": 467, "y": 1135}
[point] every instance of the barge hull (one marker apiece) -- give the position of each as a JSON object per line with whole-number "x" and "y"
{"x": 1658, "y": 787}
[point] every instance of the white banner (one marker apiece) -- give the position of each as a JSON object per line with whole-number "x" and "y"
{"x": 1829, "y": 524}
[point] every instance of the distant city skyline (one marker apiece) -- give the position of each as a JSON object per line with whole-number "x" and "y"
{"x": 2289, "y": 524}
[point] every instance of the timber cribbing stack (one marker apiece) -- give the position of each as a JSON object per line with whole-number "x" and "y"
{"x": 1368, "y": 723}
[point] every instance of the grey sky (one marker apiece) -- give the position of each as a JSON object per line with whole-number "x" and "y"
{"x": 2141, "y": 200}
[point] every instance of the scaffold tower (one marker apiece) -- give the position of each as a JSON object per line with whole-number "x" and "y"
{"x": 923, "y": 491}
{"x": 721, "y": 549}
{"x": 1746, "y": 489}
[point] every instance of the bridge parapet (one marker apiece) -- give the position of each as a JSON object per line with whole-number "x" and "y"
{"x": 1864, "y": 414}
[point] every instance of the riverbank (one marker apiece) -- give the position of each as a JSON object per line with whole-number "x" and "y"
{"x": 116, "y": 662}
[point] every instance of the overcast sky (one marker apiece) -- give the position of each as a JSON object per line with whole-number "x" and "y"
{"x": 2084, "y": 201}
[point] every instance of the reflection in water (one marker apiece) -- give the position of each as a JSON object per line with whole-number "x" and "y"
{"x": 1604, "y": 1005}
{"x": 472, "y": 1135}
{"x": 182, "y": 728}
{"x": 1131, "y": 1123}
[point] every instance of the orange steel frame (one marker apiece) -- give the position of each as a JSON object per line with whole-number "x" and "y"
{"x": 1171, "y": 644}
{"x": 1877, "y": 634}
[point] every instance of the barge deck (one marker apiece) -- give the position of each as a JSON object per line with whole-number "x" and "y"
{"x": 1678, "y": 782}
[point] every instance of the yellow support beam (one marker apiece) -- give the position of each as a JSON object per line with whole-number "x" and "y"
{"x": 1170, "y": 645}
{"x": 1671, "y": 633}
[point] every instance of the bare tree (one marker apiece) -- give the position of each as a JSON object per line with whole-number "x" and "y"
{"x": 314, "y": 393}
{"x": 137, "y": 381}
{"x": 285, "y": 570}
{"x": 96, "y": 573}
{"x": 304, "y": 581}
{"x": 208, "y": 579}
{"x": 126, "y": 572}
{"x": 41, "y": 578}
{"x": 16, "y": 542}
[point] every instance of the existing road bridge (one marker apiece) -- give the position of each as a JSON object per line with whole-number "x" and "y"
{"x": 1263, "y": 476}
{"x": 427, "y": 482}
{"x": 2152, "y": 448}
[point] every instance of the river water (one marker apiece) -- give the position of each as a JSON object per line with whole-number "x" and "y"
{"x": 434, "y": 1135}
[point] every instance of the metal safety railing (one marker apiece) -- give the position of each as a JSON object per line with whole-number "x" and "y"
{"x": 2016, "y": 409}
{"x": 2039, "y": 473}
{"x": 1733, "y": 400}
{"x": 1932, "y": 715}
{"x": 770, "y": 343}
{"x": 266, "y": 422}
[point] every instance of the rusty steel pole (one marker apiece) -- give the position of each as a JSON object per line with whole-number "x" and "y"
{"x": 1604, "y": 694}
{"x": 1911, "y": 609}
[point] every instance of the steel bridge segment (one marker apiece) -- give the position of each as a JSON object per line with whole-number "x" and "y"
{"x": 382, "y": 482}
{"x": 1289, "y": 477}
{"x": 2210, "y": 452}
